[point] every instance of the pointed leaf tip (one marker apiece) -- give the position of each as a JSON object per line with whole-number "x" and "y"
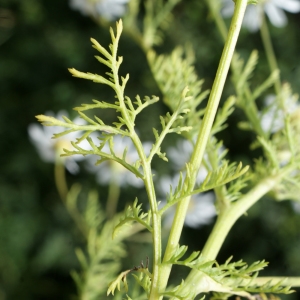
{"x": 73, "y": 71}
{"x": 120, "y": 23}
{"x": 95, "y": 43}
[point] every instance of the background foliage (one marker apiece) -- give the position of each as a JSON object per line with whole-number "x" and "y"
{"x": 39, "y": 40}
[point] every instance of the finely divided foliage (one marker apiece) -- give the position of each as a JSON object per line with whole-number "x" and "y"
{"x": 236, "y": 187}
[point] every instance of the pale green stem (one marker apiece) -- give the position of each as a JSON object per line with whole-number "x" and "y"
{"x": 112, "y": 199}
{"x": 284, "y": 281}
{"x": 229, "y": 216}
{"x": 215, "y": 11}
{"x": 62, "y": 188}
{"x": 60, "y": 178}
{"x": 156, "y": 237}
{"x": 156, "y": 218}
{"x": 204, "y": 135}
{"x": 251, "y": 110}
{"x": 227, "y": 219}
{"x": 267, "y": 42}
{"x": 148, "y": 181}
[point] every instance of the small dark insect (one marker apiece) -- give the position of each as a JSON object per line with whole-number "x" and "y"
{"x": 141, "y": 266}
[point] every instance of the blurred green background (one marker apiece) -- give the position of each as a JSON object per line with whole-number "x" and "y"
{"x": 39, "y": 40}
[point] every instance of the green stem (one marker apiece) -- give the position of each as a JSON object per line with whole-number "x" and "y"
{"x": 148, "y": 181}
{"x": 62, "y": 188}
{"x": 229, "y": 216}
{"x": 156, "y": 218}
{"x": 250, "y": 109}
{"x": 215, "y": 11}
{"x": 204, "y": 135}
{"x": 60, "y": 178}
{"x": 284, "y": 281}
{"x": 267, "y": 42}
{"x": 271, "y": 57}
{"x": 156, "y": 235}
{"x": 146, "y": 164}
{"x": 112, "y": 199}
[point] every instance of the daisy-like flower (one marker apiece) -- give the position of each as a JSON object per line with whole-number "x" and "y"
{"x": 201, "y": 210}
{"x": 111, "y": 170}
{"x": 49, "y": 148}
{"x": 108, "y": 9}
{"x": 274, "y": 9}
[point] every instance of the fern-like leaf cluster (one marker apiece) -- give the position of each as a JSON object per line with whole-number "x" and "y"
{"x": 173, "y": 73}
{"x": 230, "y": 278}
{"x": 133, "y": 214}
{"x": 102, "y": 259}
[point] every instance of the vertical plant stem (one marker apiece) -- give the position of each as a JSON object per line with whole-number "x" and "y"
{"x": 267, "y": 42}
{"x": 112, "y": 199}
{"x": 251, "y": 110}
{"x": 156, "y": 235}
{"x": 204, "y": 135}
{"x": 148, "y": 180}
{"x": 60, "y": 178}
{"x": 63, "y": 191}
{"x": 215, "y": 11}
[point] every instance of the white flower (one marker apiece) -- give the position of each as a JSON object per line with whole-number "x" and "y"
{"x": 274, "y": 9}
{"x": 273, "y": 119}
{"x": 49, "y": 148}
{"x": 201, "y": 210}
{"x": 108, "y": 9}
{"x": 181, "y": 154}
{"x": 111, "y": 170}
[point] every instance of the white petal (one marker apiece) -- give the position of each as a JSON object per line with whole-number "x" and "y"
{"x": 227, "y": 9}
{"x": 201, "y": 210}
{"x": 180, "y": 154}
{"x": 276, "y": 15}
{"x": 292, "y": 6}
{"x": 130, "y": 179}
{"x": 165, "y": 182}
{"x": 202, "y": 173}
{"x": 84, "y": 6}
{"x": 47, "y": 147}
{"x": 42, "y": 142}
{"x": 272, "y": 120}
{"x": 72, "y": 166}
{"x": 252, "y": 19}
{"x": 110, "y": 9}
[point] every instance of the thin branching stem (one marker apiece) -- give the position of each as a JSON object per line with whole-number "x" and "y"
{"x": 204, "y": 134}
{"x": 62, "y": 188}
{"x": 271, "y": 57}
{"x": 112, "y": 198}
{"x": 228, "y": 217}
{"x": 148, "y": 180}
